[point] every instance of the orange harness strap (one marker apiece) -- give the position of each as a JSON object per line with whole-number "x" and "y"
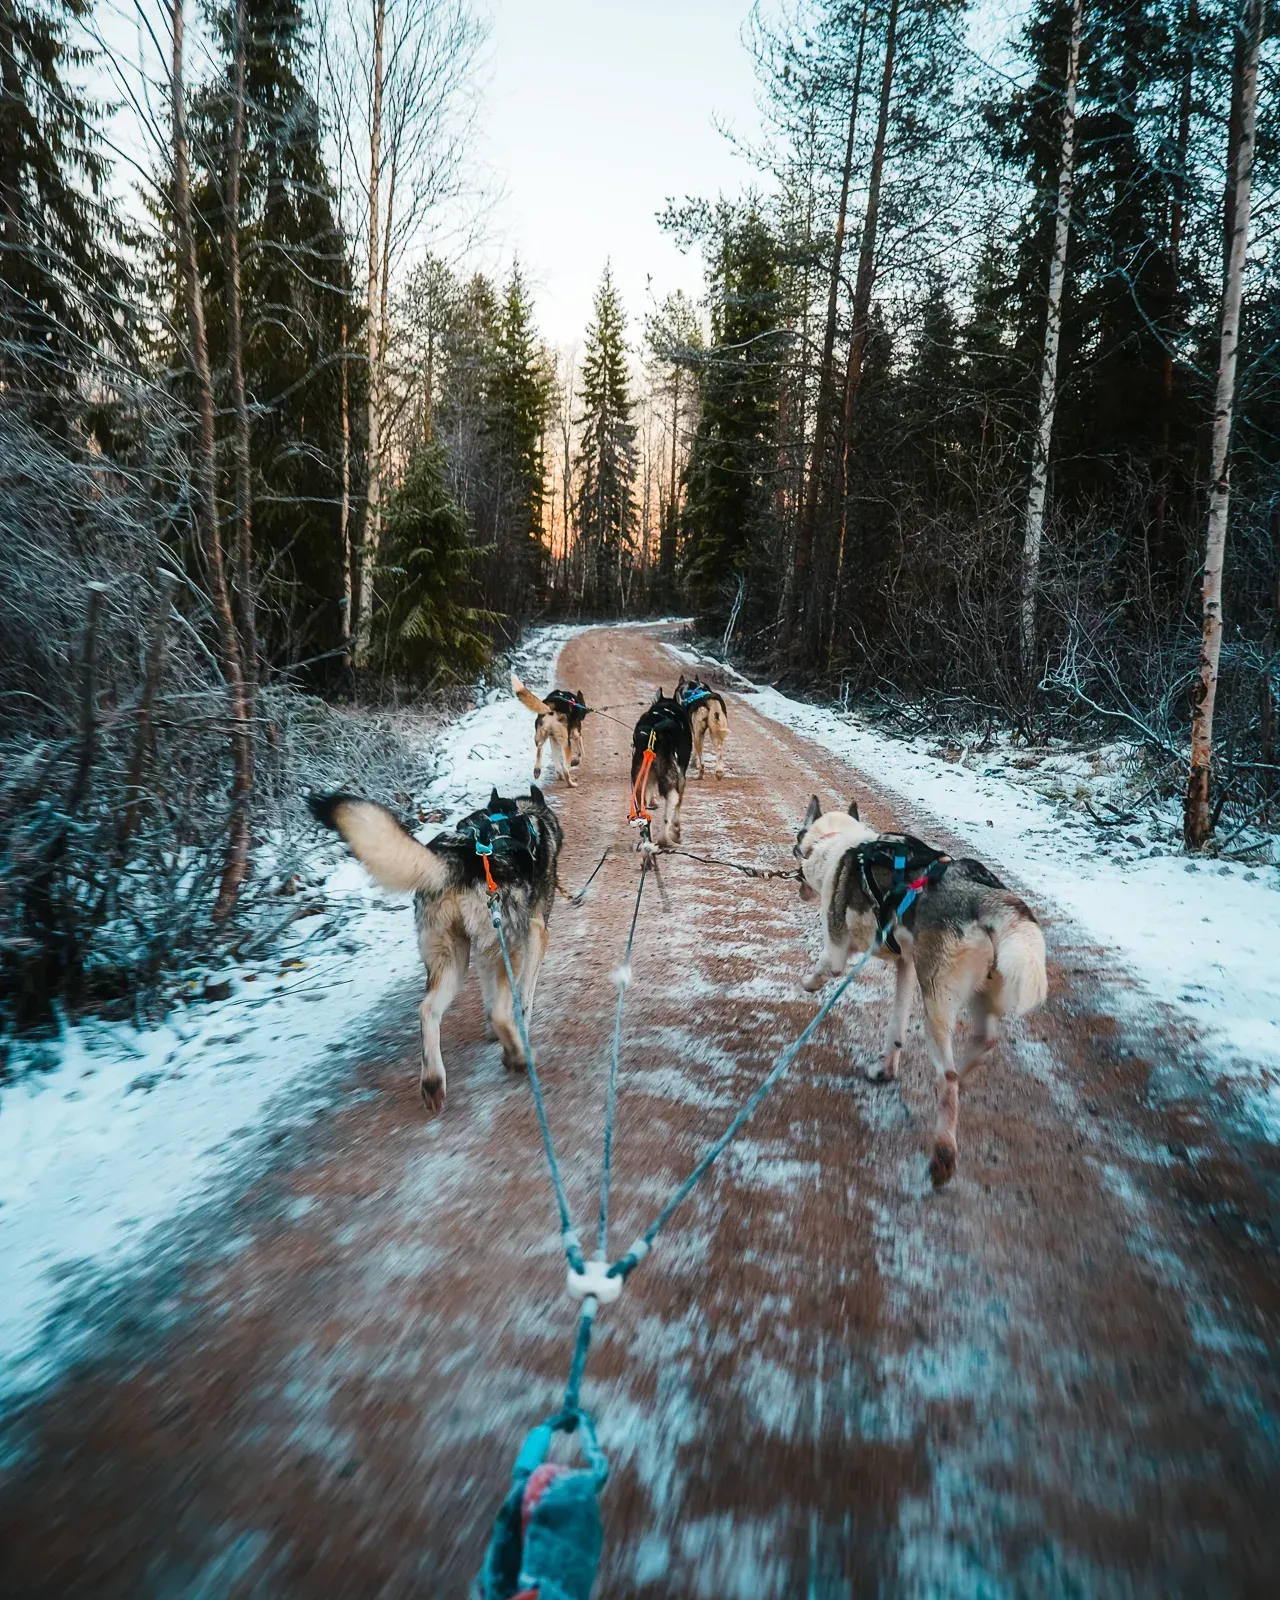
{"x": 637, "y": 812}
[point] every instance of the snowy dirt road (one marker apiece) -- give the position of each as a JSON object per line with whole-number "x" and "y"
{"x": 1056, "y": 1377}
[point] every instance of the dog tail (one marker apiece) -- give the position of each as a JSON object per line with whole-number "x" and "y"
{"x": 527, "y": 698}
{"x": 719, "y": 715}
{"x": 1019, "y": 964}
{"x": 389, "y": 853}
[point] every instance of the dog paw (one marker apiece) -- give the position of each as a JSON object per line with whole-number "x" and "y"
{"x": 942, "y": 1168}
{"x": 514, "y": 1061}
{"x": 572, "y": 782}
{"x": 813, "y": 981}
{"x": 432, "y": 1092}
{"x": 882, "y": 1071}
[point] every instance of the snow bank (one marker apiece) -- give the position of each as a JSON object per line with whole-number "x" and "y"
{"x": 1201, "y": 936}
{"x": 128, "y": 1128}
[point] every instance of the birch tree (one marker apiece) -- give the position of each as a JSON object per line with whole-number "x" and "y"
{"x": 1033, "y": 520}
{"x": 398, "y": 80}
{"x": 207, "y": 516}
{"x": 1197, "y": 819}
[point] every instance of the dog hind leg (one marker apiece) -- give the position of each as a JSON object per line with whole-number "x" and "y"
{"x": 446, "y": 956}
{"x": 500, "y": 1006}
{"x": 904, "y": 987}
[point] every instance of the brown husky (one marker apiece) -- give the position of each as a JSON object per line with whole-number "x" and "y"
{"x": 975, "y": 947}
{"x": 451, "y": 906}
{"x": 560, "y": 718}
{"x": 708, "y": 714}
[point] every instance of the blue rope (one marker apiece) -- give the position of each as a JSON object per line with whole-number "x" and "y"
{"x": 606, "y": 1165}
{"x": 568, "y": 1238}
{"x": 625, "y": 1265}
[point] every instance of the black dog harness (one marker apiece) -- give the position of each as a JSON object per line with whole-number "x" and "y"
{"x": 566, "y": 703}
{"x": 494, "y": 831}
{"x": 891, "y": 868}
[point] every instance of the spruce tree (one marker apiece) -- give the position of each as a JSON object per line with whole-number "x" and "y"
{"x": 296, "y": 296}
{"x": 519, "y": 403}
{"x": 425, "y": 625}
{"x": 62, "y": 278}
{"x": 732, "y": 462}
{"x": 606, "y": 457}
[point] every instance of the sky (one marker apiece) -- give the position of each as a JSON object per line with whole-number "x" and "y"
{"x": 596, "y": 112}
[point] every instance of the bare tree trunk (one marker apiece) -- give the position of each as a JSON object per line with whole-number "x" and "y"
{"x": 803, "y": 554}
{"x": 1197, "y": 820}
{"x": 1177, "y": 219}
{"x": 154, "y": 664}
{"x": 861, "y": 329}
{"x": 1033, "y": 521}
{"x": 344, "y": 508}
{"x": 373, "y": 471}
{"x": 235, "y": 863}
{"x": 235, "y": 352}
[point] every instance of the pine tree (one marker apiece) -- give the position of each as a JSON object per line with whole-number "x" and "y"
{"x": 62, "y": 279}
{"x": 424, "y": 625}
{"x": 733, "y": 456}
{"x": 607, "y": 454}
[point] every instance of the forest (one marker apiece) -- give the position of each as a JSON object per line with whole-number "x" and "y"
{"x": 973, "y": 426}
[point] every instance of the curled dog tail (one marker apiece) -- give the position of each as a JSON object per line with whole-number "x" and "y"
{"x": 1019, "y": 964}
{"x": 389, "y": 853}
{"x": 527, "y": 698}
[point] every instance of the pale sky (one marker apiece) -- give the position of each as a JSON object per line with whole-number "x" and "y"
{"x": 595, "y": 112}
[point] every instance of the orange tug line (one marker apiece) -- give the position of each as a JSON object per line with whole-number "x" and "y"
{"x": 638, "y": 813}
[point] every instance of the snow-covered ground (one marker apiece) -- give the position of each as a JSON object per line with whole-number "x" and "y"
{"x": 1201, "y": 936}
{"x": 129, "y": 1128}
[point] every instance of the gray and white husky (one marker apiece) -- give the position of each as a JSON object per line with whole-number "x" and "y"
{"x": 451, "y": 907}
{"x": 975, "y": 947}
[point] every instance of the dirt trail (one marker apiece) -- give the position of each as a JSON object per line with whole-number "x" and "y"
{"x": 1056, "y": 1377}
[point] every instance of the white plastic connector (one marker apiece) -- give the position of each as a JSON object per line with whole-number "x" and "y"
{"x": 594, "y": 1282}
{"x": 622, "y": 976}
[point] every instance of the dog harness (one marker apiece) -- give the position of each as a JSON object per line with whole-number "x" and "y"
{"x": 501, "y": 828}
{"x": 566, "y": 703}
{"x": 910, "y": 865}
{"x": 694, "y": 694}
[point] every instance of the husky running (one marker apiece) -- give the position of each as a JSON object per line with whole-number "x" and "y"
{"x": 974, "y": 946}
{"x": 559, "y": 718}
{"x": 708, "y": 714}
{"x": 451, "y": 906}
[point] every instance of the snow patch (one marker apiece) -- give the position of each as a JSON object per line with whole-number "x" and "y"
{"x": 129, "y": 1127}
{"x": 1201, "y": 936}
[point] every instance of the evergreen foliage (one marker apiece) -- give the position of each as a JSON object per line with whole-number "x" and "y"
{"x": 730, "y": 480}
{"x": 606, "y": 453}
{"x": 65, "y": 301}
{"x": 426, "y": 627}
{"x": 297, "y": 296}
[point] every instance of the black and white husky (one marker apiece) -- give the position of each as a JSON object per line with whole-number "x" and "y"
{"x": 451, "y": 907}
{"x": 708, "y": 714}
{"x": 974, "y": 946}
{"x": 664, "y": 727}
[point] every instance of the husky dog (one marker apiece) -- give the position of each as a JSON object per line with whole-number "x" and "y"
{"x": 450, "y": 905}
{"x": 665, "y": 725}
{"x": 708, "y": 714}
{"x": 975, "y": 947}
{"x": 560, "y": 718}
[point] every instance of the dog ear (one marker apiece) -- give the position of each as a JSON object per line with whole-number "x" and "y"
{"x": 537, "y": 796}
{"x": 853, "y": 811}
{"x": 813, "y": 813}
{"x": 495, "y": 799}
